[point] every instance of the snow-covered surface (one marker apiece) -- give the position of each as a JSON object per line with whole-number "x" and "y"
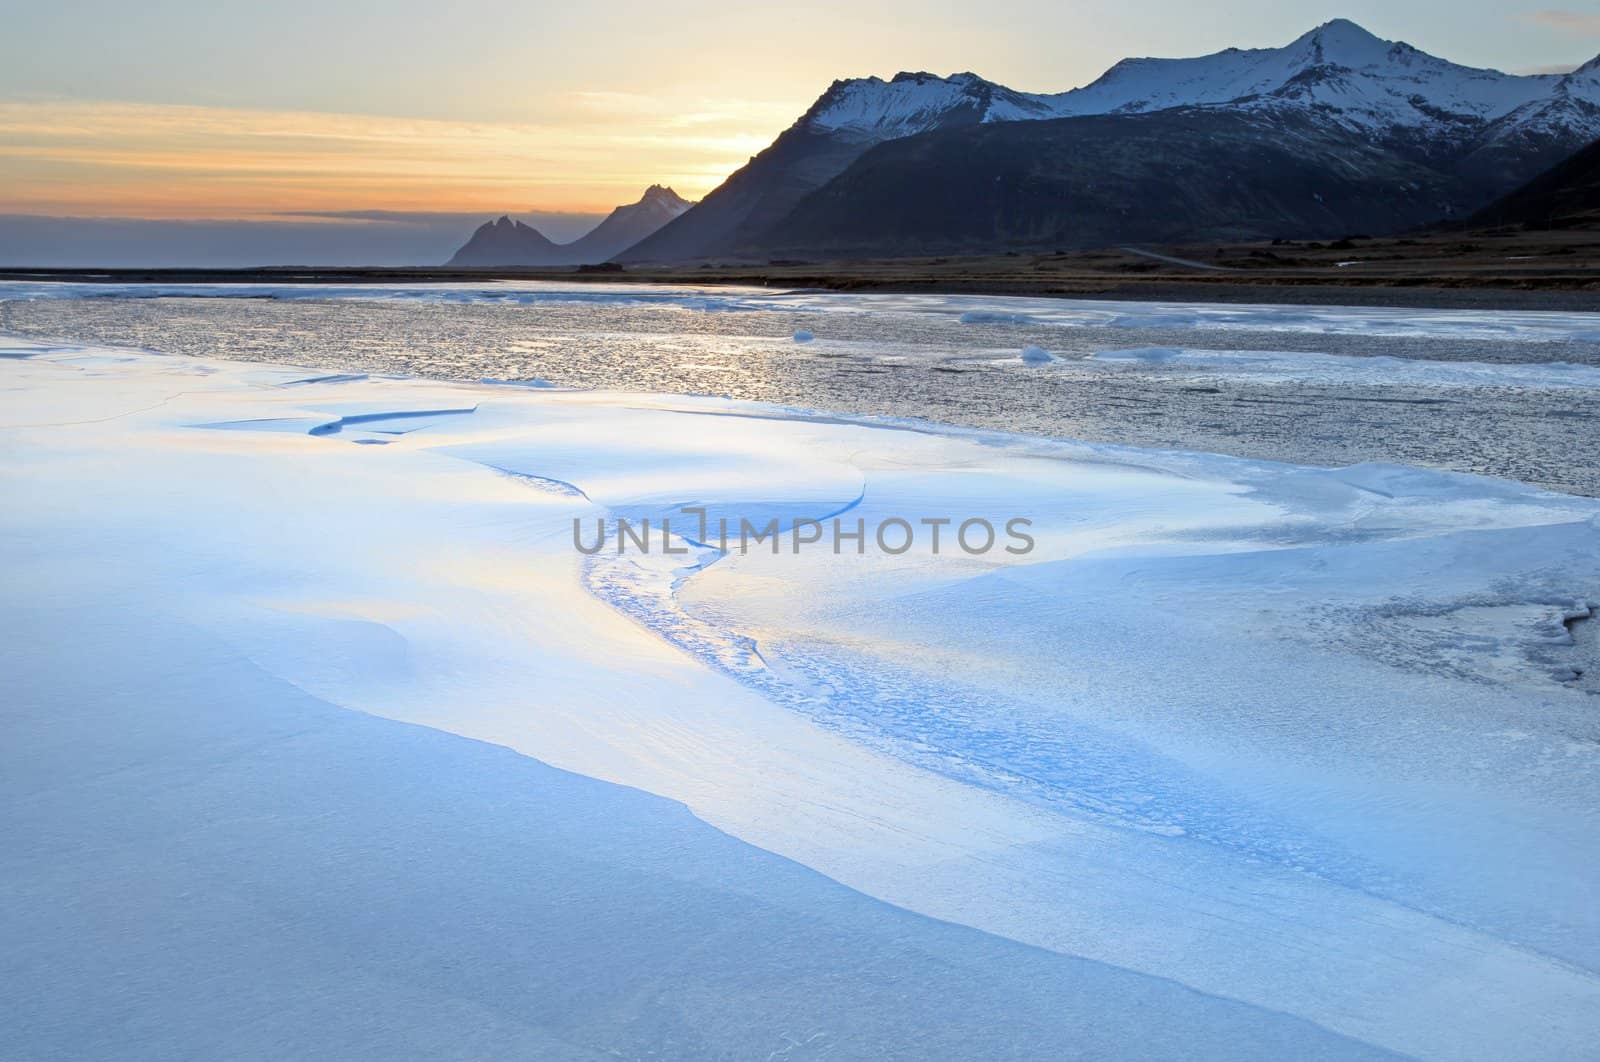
{"x": 1508, "y": 325}
{"x": 710, "y": 299}
{"x": 1315, "y": 744}
{"x": 915, "y": 356}
{"x": 911, "y": 103}
{"x": 1338, "y": 65}
{"x": 1304, "y": 366}
{"x": 1337, "y": 69}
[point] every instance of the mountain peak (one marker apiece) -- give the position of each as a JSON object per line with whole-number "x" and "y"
{"x": 1343, "y": 43}
{"x": 1338, "y": 79}
{"x": 660, "y": 193}
{"x": 503, "y": 241}
{"x": 1344, "y": 29}
{"x": 916, "y": 101}
{"x": 1338, "y": 68}
{"x": 507, "y": 224}
{"x": 923, "y": 77}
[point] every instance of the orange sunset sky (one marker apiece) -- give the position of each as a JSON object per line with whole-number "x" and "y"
{"x": 231, "y": 110}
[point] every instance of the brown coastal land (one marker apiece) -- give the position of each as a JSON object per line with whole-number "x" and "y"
{"x": 1511, "y": 268}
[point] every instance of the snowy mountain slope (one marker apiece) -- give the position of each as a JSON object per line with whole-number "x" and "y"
{"x": 1338, "y": 66}
{"x": 914, "y": 103}
{"x": 1500, "y": 129}
{"x": 1541, "y": 133}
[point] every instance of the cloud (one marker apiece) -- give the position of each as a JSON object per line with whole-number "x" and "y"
{"x": 743, "y": 114}
{"x": 157, "y": 160}
{"x": 424, "y": 217}
{"x": 311, "y": 238}
{"x": 1582, "y": 22}
{"x": 30, "y": 240}
{"x": 560, "y": 225}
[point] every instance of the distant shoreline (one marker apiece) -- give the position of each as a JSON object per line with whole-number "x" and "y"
{"x": 1557, "y": 270}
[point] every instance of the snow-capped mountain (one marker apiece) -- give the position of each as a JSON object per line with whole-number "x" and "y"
{"x": 506, "y": 242}
{"x": 1340, "y": 67}
{"x": 1501, "y": 128}
{"x": 875, "y": 109}
{"x": 1497, "y": 129}
{"x": 1541, "y": 132}
{"x": 846, "y": 120}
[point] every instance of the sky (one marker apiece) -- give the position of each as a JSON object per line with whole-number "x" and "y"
{"x": 298, "y": 113}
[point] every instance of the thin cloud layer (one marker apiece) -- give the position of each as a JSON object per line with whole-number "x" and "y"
{"x": 158, "y": 160}
{"x": 1584, "y": 22}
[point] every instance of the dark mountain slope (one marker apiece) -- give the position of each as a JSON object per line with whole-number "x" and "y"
{"x": 845, "y": 121}
{"x": 511, "y": 243}
{"x": 758, "y": 194}
{"x": 1475, "y": 133}
{"x": 505, "y": 242}
{"x": 1181, "y": 174}
{"x": 1563, "y": 197}
{"x": 626, "y": 226}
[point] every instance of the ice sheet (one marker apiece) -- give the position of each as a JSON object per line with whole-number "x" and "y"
{"x": 1340, "y": 369}
{"x": 973, "y": 310}
{"x": 1219, "y": 728}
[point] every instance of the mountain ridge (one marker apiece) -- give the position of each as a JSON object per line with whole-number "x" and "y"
{"x": 1164, "y": 177}
{"x": 1498, "y": 129}
{"x": 507, "y": 242}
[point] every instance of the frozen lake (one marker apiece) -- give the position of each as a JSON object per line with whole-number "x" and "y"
{"x": 326, "y": 737}
{"x": 1511, "y": 394}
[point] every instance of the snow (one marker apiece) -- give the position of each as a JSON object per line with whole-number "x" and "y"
{"x": 910, "y": 103}
{"x": 977, "y": 310}
{"x": 1510, "y": 325}
{"x": 708, "y": 299}
{"x": 1338, "y": 68}
{"x": 1307, "y": 367}
{"x": 202, "y": 861}
{"x": 1371, "y": 81}
{"x": 1212, "y": 770}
